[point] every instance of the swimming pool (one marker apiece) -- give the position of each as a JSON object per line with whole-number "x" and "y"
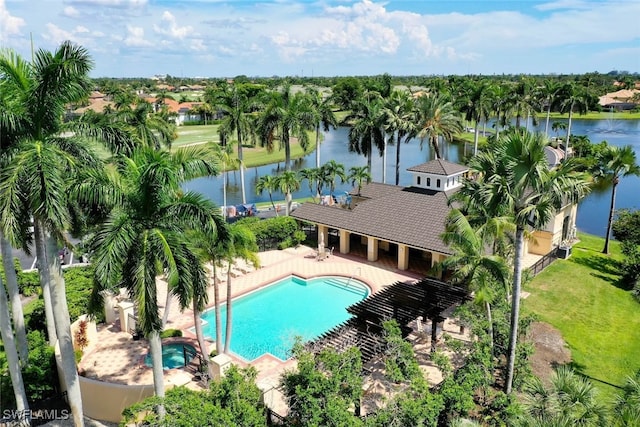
{"x": 268, "y": 320}
{"x": 173, "y": 355}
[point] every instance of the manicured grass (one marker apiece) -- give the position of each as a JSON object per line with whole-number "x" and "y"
{"x": 253, "y": 156}
{"x": 599, "y": 321}
{"x": 188, "y": 135}
{"x": 595, "y": 115}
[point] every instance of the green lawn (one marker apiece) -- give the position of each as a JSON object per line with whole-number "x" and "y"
{"x": 253, "y": 156}
{"x": 595, "y": 115}
{"x": 196, "y": 134}
{"x": 599, "y": 321}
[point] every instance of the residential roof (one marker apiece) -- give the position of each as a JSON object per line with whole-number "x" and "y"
{"x": 407, "y": 215}
{"x": 439, "y": 167}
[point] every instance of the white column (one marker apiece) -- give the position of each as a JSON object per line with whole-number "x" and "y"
{"x": 372, "y": 249}
{"x": 403, "y": 257}
{"x": 345, "y": 245}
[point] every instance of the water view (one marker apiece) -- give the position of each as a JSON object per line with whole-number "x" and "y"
{"x": 592, "y": 212}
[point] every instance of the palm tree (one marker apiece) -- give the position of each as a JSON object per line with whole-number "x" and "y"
{"x": 146, "y": 127}
{"x": 287, "y": 182}
{"x": 358, "y": 175}
{"x": 476, "y": 105}
{"x": 513, "y": 180}
{"x": 268, "y": 183}
{"x": 548, "y": 93}
{"x": 436, "y": 118}
{"x": 367, "y": 125}
{"x": 311, "y": 175}
{"x": 399, "y": 122}
{"x": 144, "y": 232}
{"x": 209, "y": 247}
{"x": 286, "y": 115}
{"x": 242, "y": 244}
{"x": 627, "y": 404}
{"x": 224, "y": 153}
{"x": 471, "y": 264}
{"x": 235, "y": 105}
{"x": 11, "y": 65}
{"x": 332, "y": 170}
{"x": 570, "y": 400}
{"x": 35, "y": 180}
{"x": 615, "y": 163}
{"x": 521, "y": 101}
{"x": 573, "y": 97}
{"x": 323, "y": 115}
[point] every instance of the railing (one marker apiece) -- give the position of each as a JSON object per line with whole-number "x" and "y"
{"x": 275, "y": 419}
{"x": 543, "y": 262}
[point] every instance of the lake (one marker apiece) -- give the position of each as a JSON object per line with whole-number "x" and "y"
{"x": 592, "y": 212}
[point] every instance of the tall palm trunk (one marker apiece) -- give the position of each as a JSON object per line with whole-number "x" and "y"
{"x": 384, "y": 161}
{"x": 6, "y": 333}
{"x": 398, "y": 141}
{"x": 155, "y": 347}
{"x": 200, "y": 335}
{"x": 515, "y": 307}
{"x": 490, "y": 320}
{"x": 241, "y": 161}
{"x": 546, "y": 125}
{"x": 45, "y": 280}
{"x": 227, "y": 337}
{"x": 318, "y": 145}
{"x": 566, "y": 144}
{"x": 14, "y": 296}
{"x": 167, "y": 308}
{"x": 224, "y": 191}
{"x": 607, "y": 236}
{"x": 287, "y": 148}
{"x": 216, "y": 304}
{"x": 288, "y": 199}
{"x": 63, "y": 330}
{"x": 436, "y": 147}
{"x": 476, "y": 137}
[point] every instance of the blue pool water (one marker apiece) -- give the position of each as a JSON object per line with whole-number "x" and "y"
{"x": 269, "y": 320}
{"x": 172, "y": 355}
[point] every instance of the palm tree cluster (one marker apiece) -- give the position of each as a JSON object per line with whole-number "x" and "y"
{"x": 317, "y": 178}
{"x": 512, "y": 190}
{"x": 132, "y": 203}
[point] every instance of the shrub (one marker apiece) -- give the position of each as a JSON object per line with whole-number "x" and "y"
{"x": 400, "y": 363}
{"x": 39, "y": 374}
{"x": 273, "y": 232}
{"x": 170, "y": 333}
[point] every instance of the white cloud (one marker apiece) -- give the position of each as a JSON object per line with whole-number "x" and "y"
{"x": 198, "y": 45}
{"x": 172, "y": 29}
{"x": 135, "y": 37}
{"x": 71, "y": 12}
{"x": 112, "y": 3}
{"x": 9, "y": 25}
{"x": 563, "y": 4}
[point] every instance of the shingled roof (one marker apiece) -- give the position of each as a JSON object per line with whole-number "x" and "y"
{"x": 407, "y": 215}
{"x": 439, "y": 167}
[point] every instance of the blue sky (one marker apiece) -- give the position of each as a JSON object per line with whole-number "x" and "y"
{"x": 210, "y": 38}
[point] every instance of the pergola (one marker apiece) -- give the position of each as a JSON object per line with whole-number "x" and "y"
{"x": 401, "y": 301}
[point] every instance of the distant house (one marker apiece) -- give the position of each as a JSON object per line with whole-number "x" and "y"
{"x": 624, "y": 99}
{"x": 406, "y": 222}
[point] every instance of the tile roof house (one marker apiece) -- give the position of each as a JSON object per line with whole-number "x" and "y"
{"x": 407, "y": 222}
{"x": 393, "y": 218}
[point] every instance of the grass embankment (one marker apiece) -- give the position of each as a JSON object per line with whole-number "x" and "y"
{"x": 599, "y": 321}
{"x": 253, "y": 156}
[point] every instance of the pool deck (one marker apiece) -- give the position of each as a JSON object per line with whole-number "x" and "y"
{"x": 116, "y": 357}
